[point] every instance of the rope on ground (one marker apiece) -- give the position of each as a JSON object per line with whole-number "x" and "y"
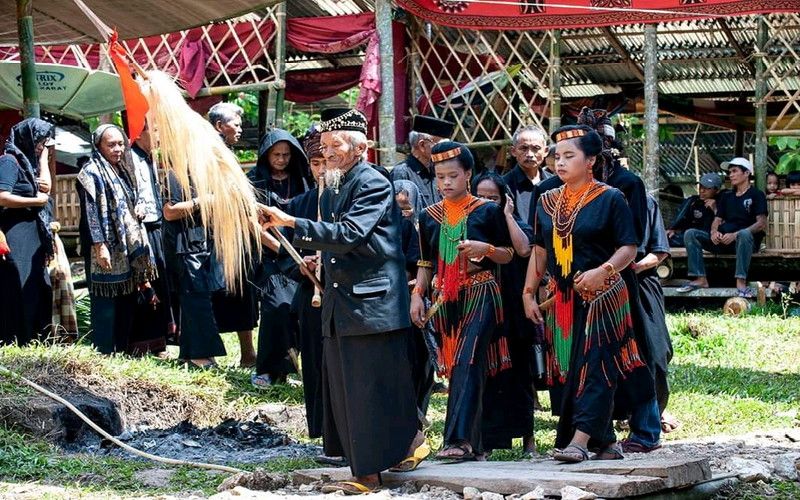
{"x": 171, "y": 461}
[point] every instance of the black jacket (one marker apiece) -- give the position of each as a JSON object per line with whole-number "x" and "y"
{"x": 360, "y": 239}
{"x": 424, "y": 177}
{"x": 519, "y": 183}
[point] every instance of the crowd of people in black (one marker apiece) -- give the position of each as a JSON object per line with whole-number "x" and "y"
{"x": 498, "y": 285}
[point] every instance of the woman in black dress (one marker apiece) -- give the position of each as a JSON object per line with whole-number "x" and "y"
{"x": 584, "y": 236}
{"x": 25, "y": 294}
{"x": 509, "y": 398}
{"x": 280, "y": 174}
{"x": 462, "y": 239}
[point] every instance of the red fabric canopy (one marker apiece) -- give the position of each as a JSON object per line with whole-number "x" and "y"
{"x": 572, "y": 14}
{"x": 313, "y": 85}
{"x": 329, "y": 35}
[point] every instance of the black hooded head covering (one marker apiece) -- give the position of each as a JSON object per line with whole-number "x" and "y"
{"x": 21, "y": 144}
{"x": 299, "y": 173}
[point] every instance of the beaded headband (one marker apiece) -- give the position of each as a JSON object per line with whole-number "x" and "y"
{"x": 445, "y": 155}
{"x": 570, "y": 134}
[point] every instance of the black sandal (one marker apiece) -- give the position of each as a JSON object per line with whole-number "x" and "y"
{"x": 466, "y": 456}
{"x": 579, "y": 455}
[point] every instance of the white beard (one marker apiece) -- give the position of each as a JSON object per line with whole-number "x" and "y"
{"x": 333, "y": 179}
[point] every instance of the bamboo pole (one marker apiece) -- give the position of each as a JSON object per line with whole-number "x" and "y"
{"x": 783, "y": 133}
{"x": 650, "y": 169}
{"x": 760, "y": 165}
{"x": 27, "y": 58}
{"x": 233, "y": 89}
{"x": 280, "y": 63}
{"x": 555, "y": 81}
{"x": 386, "y": 116}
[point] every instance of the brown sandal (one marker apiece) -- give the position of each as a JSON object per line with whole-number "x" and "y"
{"x": 573, "y": 457}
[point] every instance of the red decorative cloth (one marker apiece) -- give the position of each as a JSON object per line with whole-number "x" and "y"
{"x": 576, "y": 14}
{"x": 336, "y": 34}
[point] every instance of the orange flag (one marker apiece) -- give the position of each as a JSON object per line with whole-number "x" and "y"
{"x": 135, "y": 102}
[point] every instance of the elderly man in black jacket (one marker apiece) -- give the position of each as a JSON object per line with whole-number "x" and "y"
{"x": 369, "y": 412}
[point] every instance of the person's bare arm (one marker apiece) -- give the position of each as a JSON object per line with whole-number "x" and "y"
{"x": 180, "y": 210}
{"x": 8, "y": 200}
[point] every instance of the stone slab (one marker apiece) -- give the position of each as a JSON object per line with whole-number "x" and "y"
{"x": 506, "y": 478}
{"x": 676, "y": 472}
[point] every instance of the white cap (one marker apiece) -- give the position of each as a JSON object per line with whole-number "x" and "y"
{"x": 738, "y": 162}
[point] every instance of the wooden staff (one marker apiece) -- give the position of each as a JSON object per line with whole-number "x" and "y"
{"x": 295, "y": 256}
{"x": 316, "y": 300}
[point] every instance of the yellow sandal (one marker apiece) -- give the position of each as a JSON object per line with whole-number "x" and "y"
{"x": 412, "y": 462}
{"x": 348, "y": 488}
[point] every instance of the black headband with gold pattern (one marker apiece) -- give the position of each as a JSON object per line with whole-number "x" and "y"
{"x": 445, "y": 155}
{"x": 343, "y": 119}
{"x": 570, "y": 134}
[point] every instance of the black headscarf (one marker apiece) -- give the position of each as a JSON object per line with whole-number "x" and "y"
{"x": 21, "y": 144}
{"x": 299, "y": 173}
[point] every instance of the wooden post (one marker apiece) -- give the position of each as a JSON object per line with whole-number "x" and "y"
{"x": 263, "y": 102}
{"x": 386, "y": 113}
{"x": 738, "y": 142}
{"x": 650, "y": 169}
{"x": 27, "y": 60}
{"x": 760, "y": 165}
{"x": 555, "y": 80}
{"x": 280, "y": 63}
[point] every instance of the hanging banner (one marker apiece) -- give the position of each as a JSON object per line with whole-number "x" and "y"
{"x": 573, "y": 14}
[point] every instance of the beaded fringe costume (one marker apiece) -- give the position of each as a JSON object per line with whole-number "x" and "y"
{"x": 461, "y": 294}
{"x": 608, "y": 321}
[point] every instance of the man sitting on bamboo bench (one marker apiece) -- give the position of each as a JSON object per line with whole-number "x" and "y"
{"x": 738, "y": 228}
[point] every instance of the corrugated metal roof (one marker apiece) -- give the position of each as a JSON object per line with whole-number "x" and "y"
{"x": 676, "y": 156}
{"x": 695, "y": 57}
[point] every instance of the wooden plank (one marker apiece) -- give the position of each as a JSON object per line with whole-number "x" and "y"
{"x": 769, "y": 253}
{"x": 672, "y": 291}
{"x": 505, "y": 478}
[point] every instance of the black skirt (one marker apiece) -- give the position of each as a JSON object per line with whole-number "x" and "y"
{"x": 369, "y": 411}
{"x": 26, "y": 305}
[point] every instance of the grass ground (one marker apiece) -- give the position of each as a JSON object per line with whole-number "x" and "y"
{"x": 729, "y": 376}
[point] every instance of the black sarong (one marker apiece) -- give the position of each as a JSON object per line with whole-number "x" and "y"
{"x": 369, "y": 411}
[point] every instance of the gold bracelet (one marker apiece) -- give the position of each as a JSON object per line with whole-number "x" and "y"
{"x": 609, "y": 267}
{"x": 425, "y": 263}
{"x": 490, "y": 251}
{"x": 418, "y": 291}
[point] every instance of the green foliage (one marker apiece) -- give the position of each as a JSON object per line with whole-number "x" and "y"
{"x": 83, "y": 311}
{"x": 94, "y": 122}
{"x": 297, "y": 122}
{"x": 248, "y": 101}
{"x": 790, "y": 159}
{"x": 635, "y": 130}
{"x": 246, "y": 155}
